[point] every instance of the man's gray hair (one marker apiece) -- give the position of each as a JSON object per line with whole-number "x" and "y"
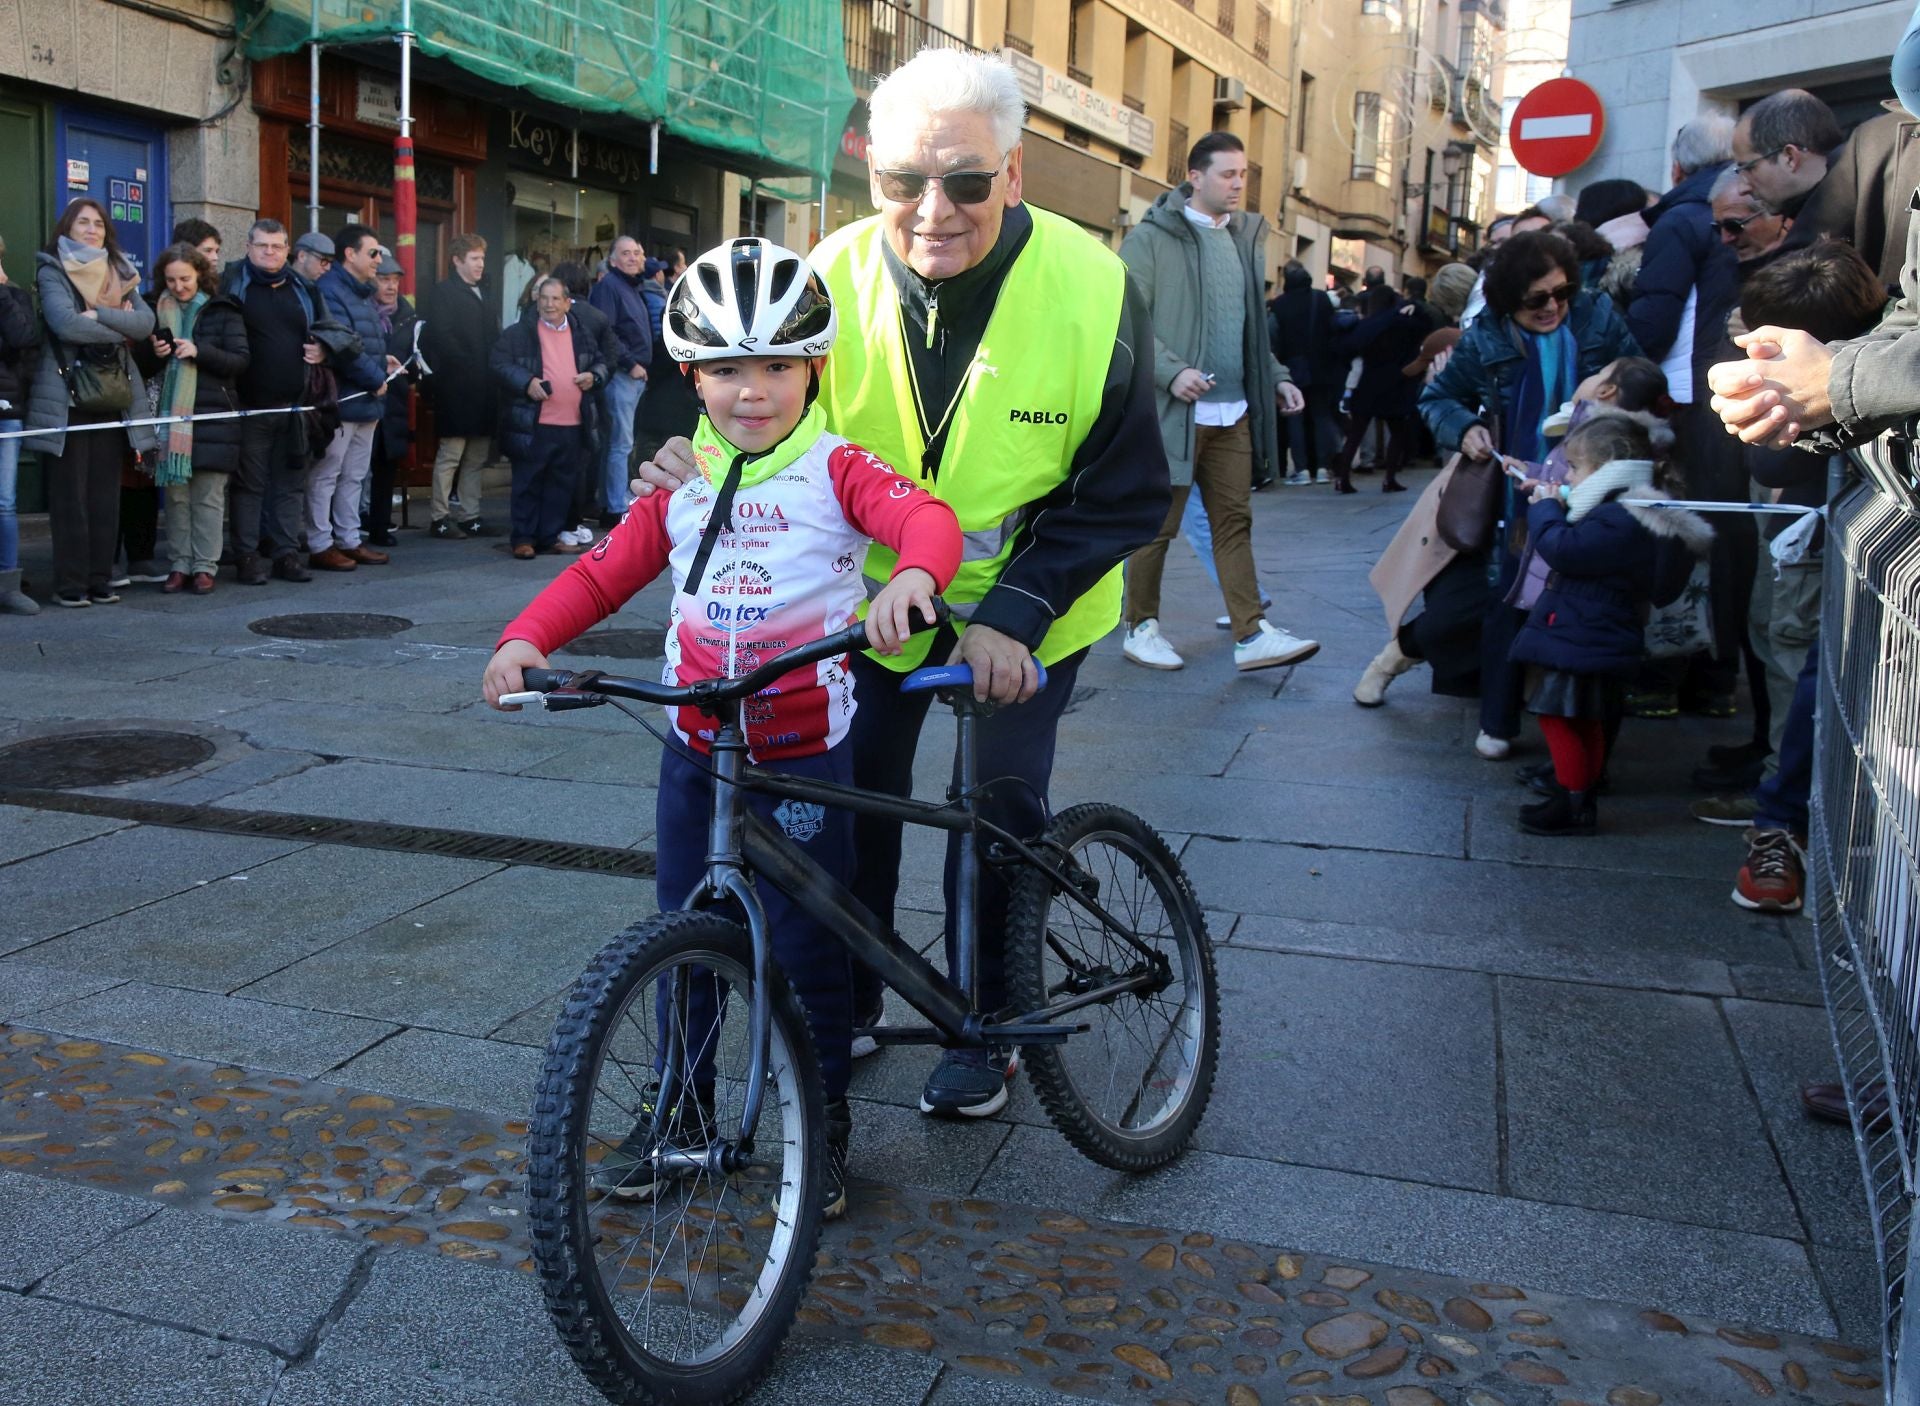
{"x": 1558, "y": 208}
{"x": 948, "y": 80}
{"x": 1731, "y": 183}
{"x": 1705, "y": 141}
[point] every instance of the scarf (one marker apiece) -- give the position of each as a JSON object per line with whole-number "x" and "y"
{"x": 93, "y": 274}
{"x": 177, "y": 390}
{"x": 1612, "y": 478}
{"x": 1541, "y": 388}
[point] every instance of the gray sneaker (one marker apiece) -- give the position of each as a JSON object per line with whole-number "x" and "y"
{"x": 628, "y": 1171}
{"x": 969, "y": 1083}
{"x": 1726, "y": 810}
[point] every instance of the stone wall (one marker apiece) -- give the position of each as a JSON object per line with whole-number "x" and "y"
{"x": 157, "y": 67}
{"x": 1658, "y": 63}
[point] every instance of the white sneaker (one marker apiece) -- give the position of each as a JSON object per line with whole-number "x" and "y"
{"x": 1298, "y": 477}
{"x": 1271, "y": 647}
{"x": 1225, "y": 622}
{"x": 1494, "y": 749}
{"x": 584, "y": 534}
{"x": 1146, "y": 647}
{"x": 1322, "y": 476}
{"x": 1388, "y": 665}
{"x": 864, "y": 1045}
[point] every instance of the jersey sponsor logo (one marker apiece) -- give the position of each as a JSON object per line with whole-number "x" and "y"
{"x": 721, "y": 613}
{"x": 1036, "y": 417}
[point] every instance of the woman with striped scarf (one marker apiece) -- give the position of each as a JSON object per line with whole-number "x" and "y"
{"x": 198, "y": 348}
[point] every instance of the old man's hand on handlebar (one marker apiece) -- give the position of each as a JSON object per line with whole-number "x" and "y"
{"x": 671, "y": 465}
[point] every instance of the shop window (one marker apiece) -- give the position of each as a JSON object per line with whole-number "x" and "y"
{"x": 557, "y": 221}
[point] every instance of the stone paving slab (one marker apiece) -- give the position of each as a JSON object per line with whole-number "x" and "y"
{"x": 259, "y": 1284}
{"x": 55, "y": 893}
{"x": 24, "y": 833}
{"x": 222, "y": 935}
{"x": 462, "y": 800}
{"x": 1609, "y": 963}
{"x": 416, "y": 688}
{"x": 430, "y": 1066}
{"x": 201, "y": 1025}
{"x": 1564, "y": 1249}
{"x": 62, "y": 651}
{"x": 1635, "y": 1101}
{"x": 1099, "y": 1309}
{"x": 54, "y": 696}
{"x": 28, "y": 986}
{"x": 1461, "y": 896}
{"x": 455, "y": 742}
{"x": 54, "y": 1354}
{"x": 469, "y": 960}
{"x": 46, "y": 1224}
{"x": 1417, "y": 1102}
{"x": 1782, "y": 1047}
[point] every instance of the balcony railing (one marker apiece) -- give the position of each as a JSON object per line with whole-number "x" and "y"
{"x": 1176, "y": 153}
{"x": 1225, "y": 20}
{"x": 882, "y": 35}
{"x": 1130, "y": 101}
{"x": 1019, "y": 43}
{"x": 1262, "y": 33}
{"x": 1253, "y": 186}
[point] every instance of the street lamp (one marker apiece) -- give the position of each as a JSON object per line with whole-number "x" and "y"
{"x": 1453, "y": 160}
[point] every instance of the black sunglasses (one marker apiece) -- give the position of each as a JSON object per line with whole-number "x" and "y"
{"x": 961, "y": 187}
{"x": 1733, "y": 227}
{"x": 1534, "y": 302}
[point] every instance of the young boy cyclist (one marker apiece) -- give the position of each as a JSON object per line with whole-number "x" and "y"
{"x": 766, "y": 545}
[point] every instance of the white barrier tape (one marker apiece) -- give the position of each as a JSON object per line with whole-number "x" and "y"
{"x": 1701, "y": 506}
{"x": 189, "y": 419}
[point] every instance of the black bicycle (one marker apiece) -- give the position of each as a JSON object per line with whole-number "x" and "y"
{"x": 678, "y": 1133}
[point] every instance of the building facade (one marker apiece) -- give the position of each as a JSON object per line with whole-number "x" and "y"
{"x": 1658, "y": 63}
{"x": 1536, "y": 50}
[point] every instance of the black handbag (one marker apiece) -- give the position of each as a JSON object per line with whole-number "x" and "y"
{"x": 98, "y": 379}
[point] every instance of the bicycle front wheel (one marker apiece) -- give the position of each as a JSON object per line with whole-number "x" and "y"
{"x": 1130, "y": 1091}
{"x": 672, "y": 1273}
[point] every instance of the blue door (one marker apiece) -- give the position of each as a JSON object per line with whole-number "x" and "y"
{"x": 123, "y": 165}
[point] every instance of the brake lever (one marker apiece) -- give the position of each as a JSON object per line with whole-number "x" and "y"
{"x": 555, "y": 702}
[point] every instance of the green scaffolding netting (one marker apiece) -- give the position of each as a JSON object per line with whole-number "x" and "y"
{"x": 768, "y": 81}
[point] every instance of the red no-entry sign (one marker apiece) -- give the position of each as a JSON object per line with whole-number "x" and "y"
{"x": 1557, "y": 127}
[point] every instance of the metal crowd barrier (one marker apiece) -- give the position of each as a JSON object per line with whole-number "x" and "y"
{"x": 1863, "y": 849}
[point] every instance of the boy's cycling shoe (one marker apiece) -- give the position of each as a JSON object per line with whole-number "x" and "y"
{"x": 864, "y": 1045}
{"x": 969, "y": 1083}
{"x": 628, "y": 1171}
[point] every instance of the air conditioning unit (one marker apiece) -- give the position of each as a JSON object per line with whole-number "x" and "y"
{"x": 1300, "y": 172}
{"x": 1230, "y": 92}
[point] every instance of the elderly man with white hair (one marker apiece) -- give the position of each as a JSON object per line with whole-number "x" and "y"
{"x": 1000, "y": 356}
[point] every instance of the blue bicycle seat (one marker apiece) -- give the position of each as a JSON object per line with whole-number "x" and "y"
{"x": 952, "y": 676}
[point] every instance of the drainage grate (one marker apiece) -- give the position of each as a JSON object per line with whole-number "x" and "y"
{"x": 333, "y": 625}
{"x": 620, "y": 644}
{"x": 100, "y": 758}
{"x": 363, "y": 834}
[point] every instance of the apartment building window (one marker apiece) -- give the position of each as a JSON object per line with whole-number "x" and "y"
{"x": 1367, "y": 146}
{"x": 1373, "y": 7}
{"x": 1225, "y": 19}
{"x": 1020, "y": 26}
{"x": 1262, "y": 33}
{"x": 1176, "y": 153}
{"x": 1080, "y": 42}
{"x": 1302, "y": 111}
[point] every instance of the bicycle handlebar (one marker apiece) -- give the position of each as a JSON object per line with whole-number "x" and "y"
{"x": 709, "y": 691}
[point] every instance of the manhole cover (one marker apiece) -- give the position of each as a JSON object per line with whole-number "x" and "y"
{"x": 99, "y": 758}
{"x": 335, "y": 625}
{"x": 620, "y": 644}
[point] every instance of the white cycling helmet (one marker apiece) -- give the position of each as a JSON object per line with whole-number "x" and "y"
{"x": 748, "y": 297}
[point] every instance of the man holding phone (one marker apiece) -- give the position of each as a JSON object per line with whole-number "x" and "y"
{"x": 286, "y": 327}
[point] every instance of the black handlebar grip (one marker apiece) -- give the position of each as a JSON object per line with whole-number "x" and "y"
{"x": 546, "y": 680}
{"x": 942, "y": 612}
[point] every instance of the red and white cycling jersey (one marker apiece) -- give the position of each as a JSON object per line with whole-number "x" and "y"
{"x": 788, "y": 573}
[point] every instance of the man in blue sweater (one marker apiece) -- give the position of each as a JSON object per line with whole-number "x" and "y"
{"x": 333, "y": 490}
{"x": 619, "y": 296}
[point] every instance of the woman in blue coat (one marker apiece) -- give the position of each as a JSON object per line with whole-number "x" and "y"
{"x": 1519, "y": 361}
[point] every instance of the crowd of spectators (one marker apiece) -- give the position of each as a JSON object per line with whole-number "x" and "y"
{"x": 1618, "y": 309}
{"x": 270, "y": 405}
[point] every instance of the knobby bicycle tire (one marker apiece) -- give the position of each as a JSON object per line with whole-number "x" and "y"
{"x": 560, "y": 1199}
{"x": 1190, "y": 952}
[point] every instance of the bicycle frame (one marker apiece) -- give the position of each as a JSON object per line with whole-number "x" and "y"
{"x": 740, "y": 844}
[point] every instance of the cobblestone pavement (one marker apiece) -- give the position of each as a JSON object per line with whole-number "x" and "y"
{"x": 1091, "y": 1308}
{"x": 1454, "y": 1056}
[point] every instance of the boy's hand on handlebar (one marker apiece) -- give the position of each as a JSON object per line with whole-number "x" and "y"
{"x": 504, "y": 672}
{"x": 890, "y": 619}
{"x": 1002, "y": 667}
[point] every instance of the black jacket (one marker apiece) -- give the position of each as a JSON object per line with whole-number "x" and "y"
{"x": 19, "y": 340}
{"x": 1300, "y": 321}
{"x": 396, "y": 421}
{"x": 1115, "y": 498}
{"x": 1385, "y": 343}
{"x": 618, "y": 299}
{"x": 458, "y": 336}
{"x": 1683, "y": 254}
{"x": 516, "y": 361}
{"x": 1864, "y": 196}
{"x": 220, "y": 341}
{"x": 601, "y": 330}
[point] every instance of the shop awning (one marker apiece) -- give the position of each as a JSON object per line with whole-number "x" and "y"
{"x": 766, "y": 81}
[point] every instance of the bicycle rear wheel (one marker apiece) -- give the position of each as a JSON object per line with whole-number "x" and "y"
{"x": 670, "y": 1280}
{"x": 1130, "y": 1091}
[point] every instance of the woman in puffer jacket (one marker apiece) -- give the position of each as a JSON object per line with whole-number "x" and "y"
{"x": 198, "y": 350}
